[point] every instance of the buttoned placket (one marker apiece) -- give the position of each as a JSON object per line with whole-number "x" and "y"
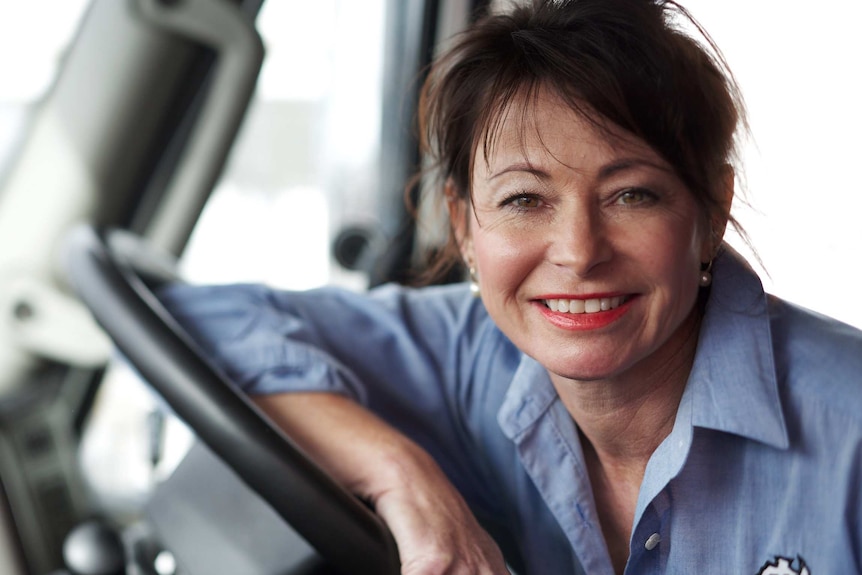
{"x": 544, "y": 431}
{"x": 651, "y": 538}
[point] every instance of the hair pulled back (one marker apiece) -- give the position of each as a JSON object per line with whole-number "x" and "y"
{"x": 623, "y": 61}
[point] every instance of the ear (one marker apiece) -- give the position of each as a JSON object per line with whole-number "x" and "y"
{"x": 459, "y": 220}
{"x": 721, "y": 214}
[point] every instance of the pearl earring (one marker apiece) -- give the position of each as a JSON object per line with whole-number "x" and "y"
{"x": 706, "y": 274}
{"x": 474, "y": 283}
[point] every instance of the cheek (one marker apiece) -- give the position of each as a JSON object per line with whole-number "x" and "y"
{"x": 503, "y": 260}
{"x": 674, "y": 259}
{"x": 678, "y": 256}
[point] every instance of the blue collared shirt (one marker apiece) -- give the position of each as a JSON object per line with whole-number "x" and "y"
{"x": 761, "y": 474}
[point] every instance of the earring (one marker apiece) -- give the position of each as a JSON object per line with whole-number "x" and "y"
{"x": 474, "y": 283}
{"x": 705, "y": 274}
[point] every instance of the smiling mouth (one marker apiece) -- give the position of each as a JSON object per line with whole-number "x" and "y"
{"x": 578, "y": 306}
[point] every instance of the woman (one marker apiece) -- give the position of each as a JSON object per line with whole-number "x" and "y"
{"x": 623, "y": 397}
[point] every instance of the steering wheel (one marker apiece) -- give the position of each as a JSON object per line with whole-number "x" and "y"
{"x": 115, "y": 274}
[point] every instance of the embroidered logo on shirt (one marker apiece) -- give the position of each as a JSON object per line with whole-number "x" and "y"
{"x": 784, "y": 566}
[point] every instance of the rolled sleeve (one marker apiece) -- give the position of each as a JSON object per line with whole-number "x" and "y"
{"x": 262, "y": 348}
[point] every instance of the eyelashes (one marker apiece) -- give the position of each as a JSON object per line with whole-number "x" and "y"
{"x": 636, "y": 196}
{"x": 523, "y": 201}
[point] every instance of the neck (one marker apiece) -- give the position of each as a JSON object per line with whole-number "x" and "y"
{"x": 625, "y": 418}
{"x": 622, "y": 420}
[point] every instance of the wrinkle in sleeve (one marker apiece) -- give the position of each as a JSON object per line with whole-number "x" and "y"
{"x": 249, "y": 340}
{"x": 391, "y": 349}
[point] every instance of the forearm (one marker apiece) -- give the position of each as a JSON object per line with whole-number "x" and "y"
{"x": 361, "y": 451}
{"x": 435, "y": 531}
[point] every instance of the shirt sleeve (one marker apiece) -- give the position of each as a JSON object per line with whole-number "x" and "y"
{"x": 266, "y": 341}
{"x": 404, "y": 353}
{"x": 428, "y": 361}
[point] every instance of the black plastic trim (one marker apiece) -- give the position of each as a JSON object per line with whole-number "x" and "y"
{"x": 108, "y": 270}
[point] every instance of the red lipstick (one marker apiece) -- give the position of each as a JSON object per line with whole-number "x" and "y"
{"x": 584, "y": 321}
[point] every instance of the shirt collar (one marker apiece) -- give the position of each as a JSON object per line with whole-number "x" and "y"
{"x": 529, "y": 396}
{"x": 732, "y": 386}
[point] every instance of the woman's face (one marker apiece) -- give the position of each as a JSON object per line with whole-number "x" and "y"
{"x": 587, "y": 249}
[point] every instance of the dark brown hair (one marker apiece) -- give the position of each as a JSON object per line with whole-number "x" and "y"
{"x": 622, "y": 61}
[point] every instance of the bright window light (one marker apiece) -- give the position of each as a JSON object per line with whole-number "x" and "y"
{"x": 798, "y": 69}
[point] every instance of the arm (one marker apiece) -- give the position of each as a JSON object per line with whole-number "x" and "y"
{"x": 435, "y": 531}
{"x": 396, "y": 356}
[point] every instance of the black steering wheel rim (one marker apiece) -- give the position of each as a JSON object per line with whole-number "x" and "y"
{"x": 113, "y": 272}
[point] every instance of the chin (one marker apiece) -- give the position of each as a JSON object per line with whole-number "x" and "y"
{"x": 581, "y": 371}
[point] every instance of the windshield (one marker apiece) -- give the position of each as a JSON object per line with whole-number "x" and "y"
{"x": 31, "y": 54}
{"x": 305, "y": 162}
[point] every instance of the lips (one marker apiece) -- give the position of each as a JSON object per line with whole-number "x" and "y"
{"x": 589, "y": 305}
{"x": 585, "y": 313}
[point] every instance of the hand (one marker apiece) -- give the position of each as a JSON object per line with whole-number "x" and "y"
{"x": 435, "y": 531}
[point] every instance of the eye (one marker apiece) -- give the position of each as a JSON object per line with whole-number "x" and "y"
{"x": 635, "y": 196}
{"x": 526, "y": 202}
{"x": 522, "y": 201}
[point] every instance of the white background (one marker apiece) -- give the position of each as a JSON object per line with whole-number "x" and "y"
{"x": 798, "y": 64}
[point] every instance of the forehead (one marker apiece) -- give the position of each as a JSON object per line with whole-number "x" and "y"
{"x": 544, "y": 127}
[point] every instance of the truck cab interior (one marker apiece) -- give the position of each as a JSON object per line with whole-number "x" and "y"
{"x": 141, "y": 122}
{"x": 209, "y": 141}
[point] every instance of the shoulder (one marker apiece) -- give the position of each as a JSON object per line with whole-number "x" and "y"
{"x": 817, "y": 357}
{"x": 445, "y": 317}
{"x": 451, "y": 303}
{"x": 813, "y": 341}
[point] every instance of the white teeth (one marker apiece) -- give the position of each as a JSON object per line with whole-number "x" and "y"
{"x": 584, "y": 305}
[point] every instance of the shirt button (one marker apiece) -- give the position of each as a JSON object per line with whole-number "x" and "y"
{"x": 652, "y": 541}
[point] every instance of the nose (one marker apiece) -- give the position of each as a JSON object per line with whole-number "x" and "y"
{"x": 581, "y": 241}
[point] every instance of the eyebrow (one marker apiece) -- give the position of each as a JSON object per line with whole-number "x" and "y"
{"x": 605, "y": 172}
{"x": 524, "y": 167}
{"x": 628, "y": 163}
